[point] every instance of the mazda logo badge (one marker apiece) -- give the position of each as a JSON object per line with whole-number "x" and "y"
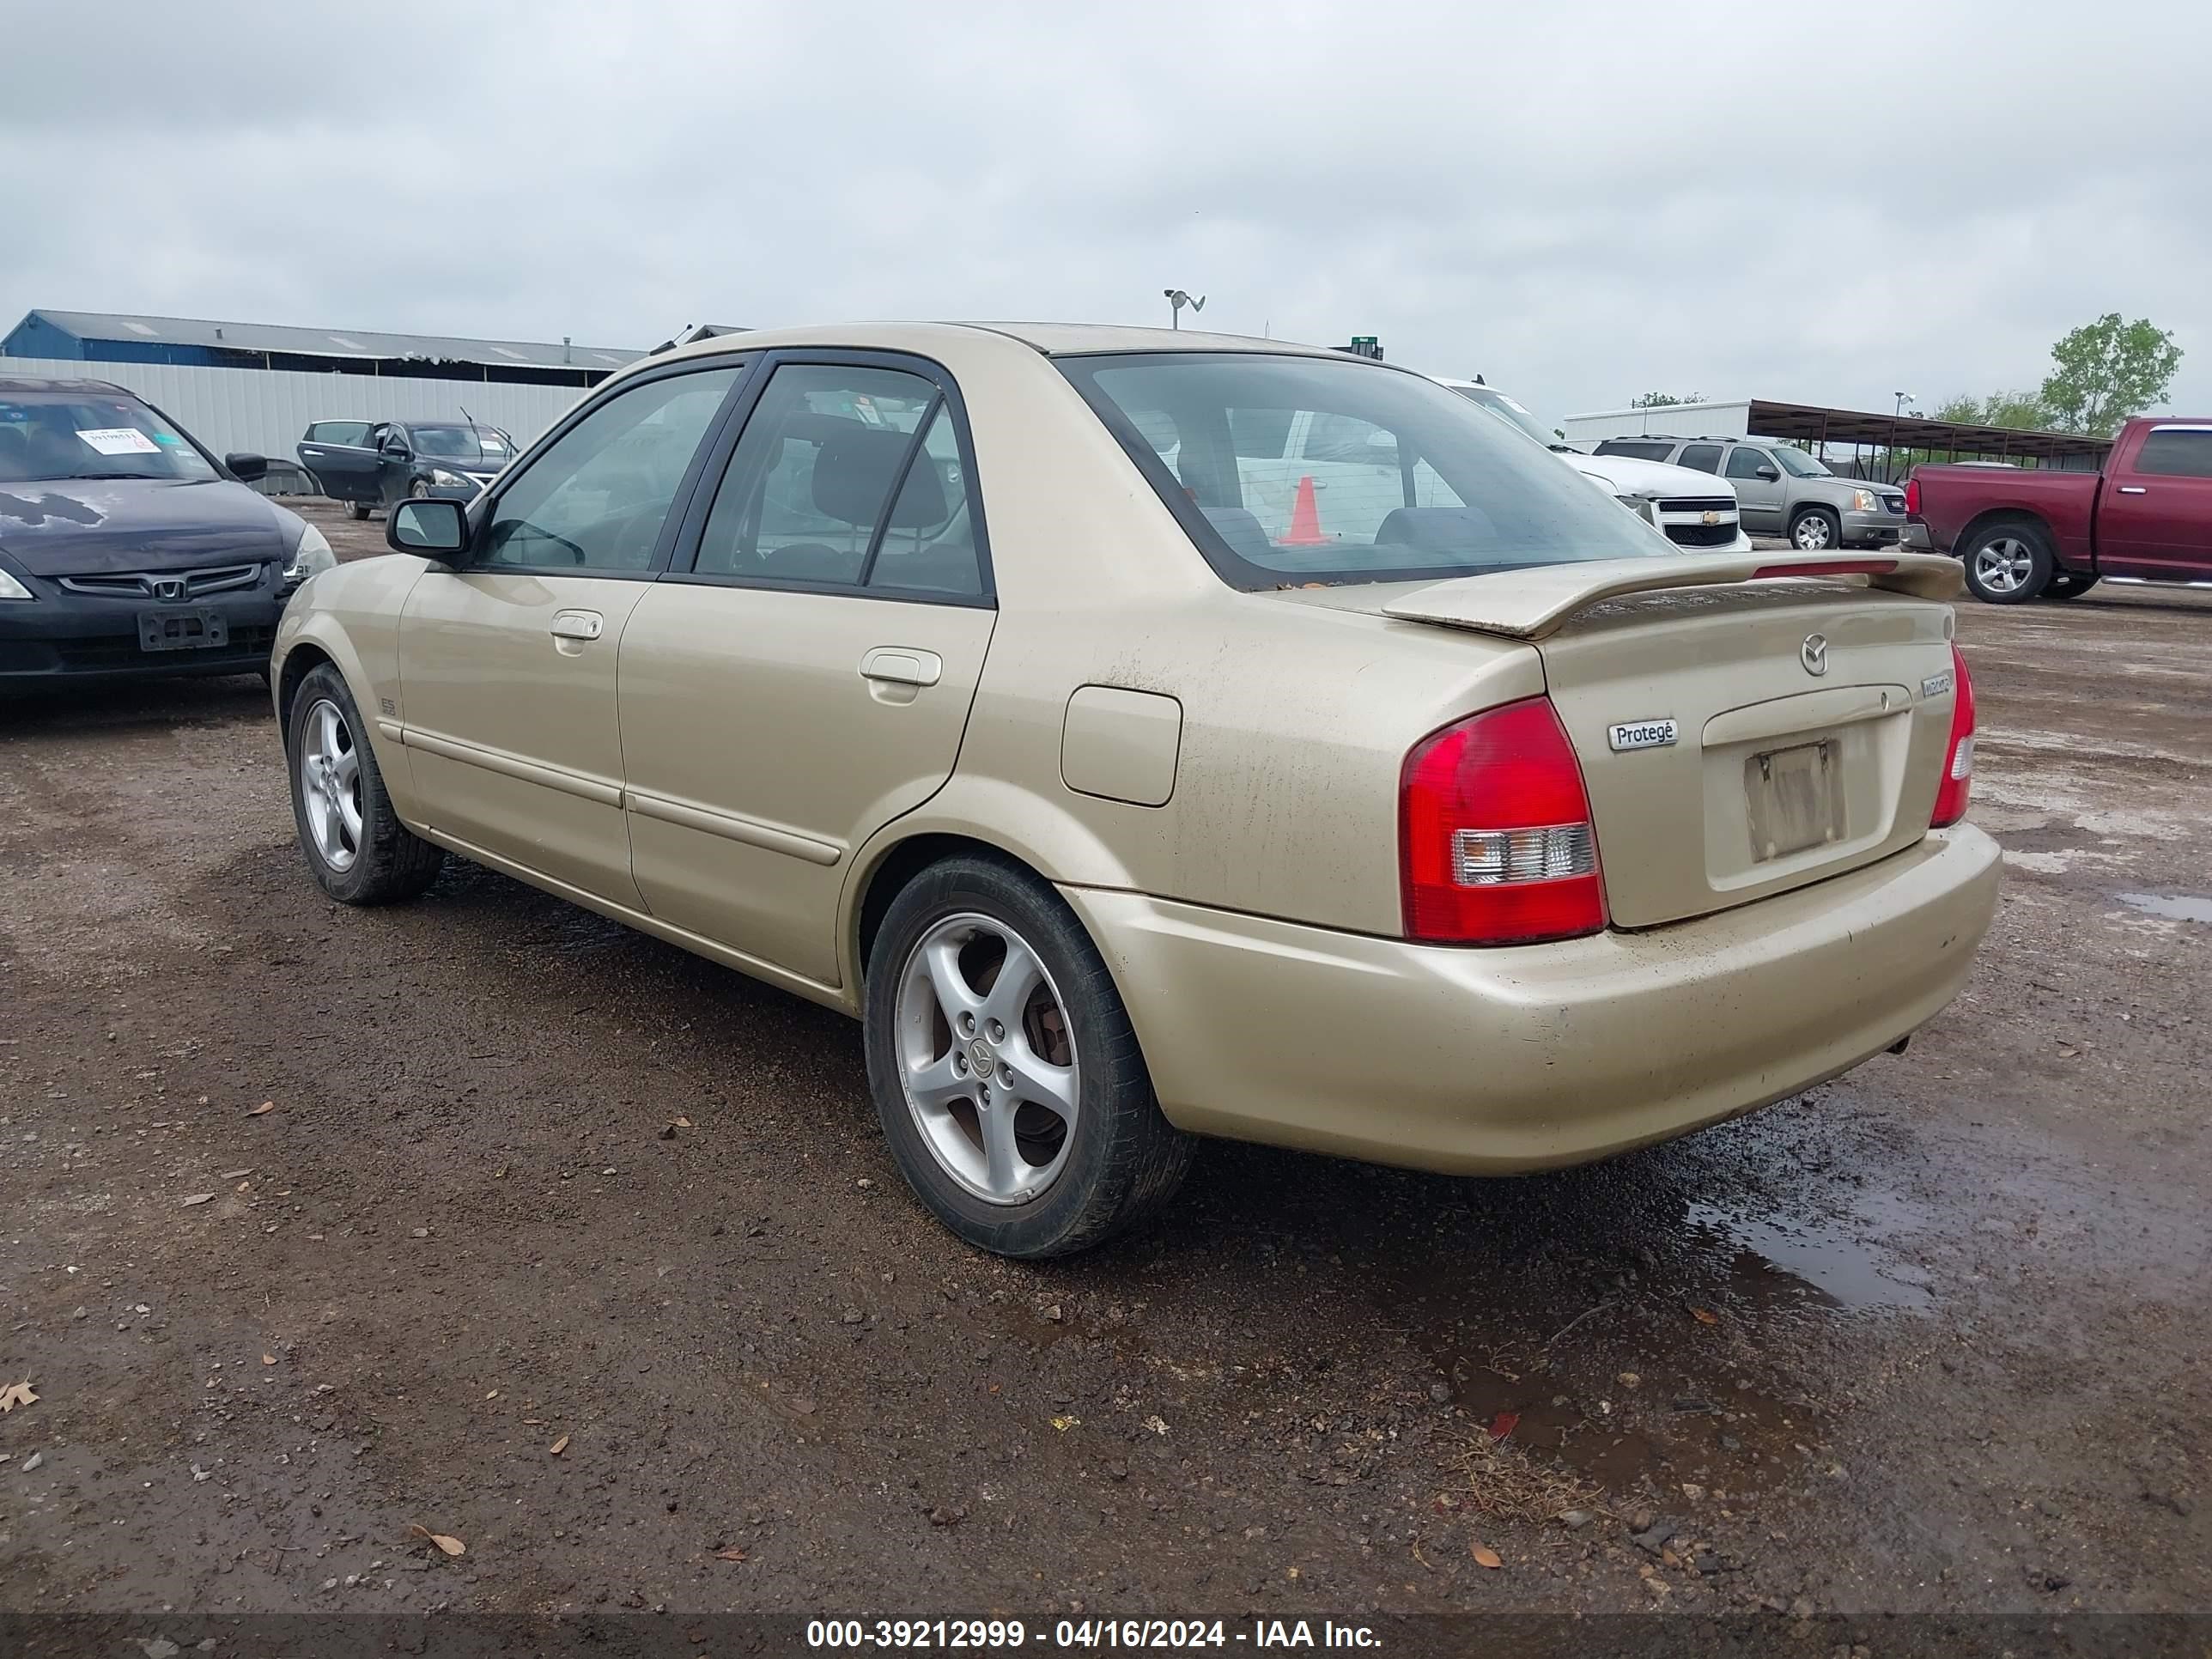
{"x": 1814, "y": 653}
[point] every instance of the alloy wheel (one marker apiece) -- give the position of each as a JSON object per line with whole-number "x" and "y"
{"x": 330, "y": 785}
{"x": 2004, "y": 564}
{"x": 987, "y": 1059}
{"x": 1812, "y": 534}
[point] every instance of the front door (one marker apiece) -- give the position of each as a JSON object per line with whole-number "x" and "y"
{"x": 507, "y": 664}
{"x": 803, "y": 675}
{"x": 395, "y": 465}
{"x": 1758, "y": 480}
{"x": 2154, "y": 514}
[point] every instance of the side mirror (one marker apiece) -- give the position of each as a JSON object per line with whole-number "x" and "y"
{"x": 248, "y": 468}
{"x": 1769, "y": 474}
{"x": 437, "y": 528}
{"x": 398, "y": 452}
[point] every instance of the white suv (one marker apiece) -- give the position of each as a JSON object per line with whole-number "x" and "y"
{"x": 1694, "y": 510}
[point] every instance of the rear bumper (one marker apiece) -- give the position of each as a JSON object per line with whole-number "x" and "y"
{"x": 60, "y": 635}
{"x": 1495, "y": 1061}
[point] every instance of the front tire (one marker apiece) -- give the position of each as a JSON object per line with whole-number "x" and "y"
{"x": 357, "y": 849}
{"x": 357, "y": 510}
{"x": 2009, "y": 562}
{"x": 1816, "y": 529}
{"x": 1006, "y": 1072}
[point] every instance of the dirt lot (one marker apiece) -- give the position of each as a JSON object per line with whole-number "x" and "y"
{"x": 574, "y": 1248}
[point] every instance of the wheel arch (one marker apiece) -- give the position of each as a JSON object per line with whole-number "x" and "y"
{"x": 308, "y": 638}
{"x": 993, "y": 821}
{"x": 301, "y": 660}
{"x": 1990, "y": 518}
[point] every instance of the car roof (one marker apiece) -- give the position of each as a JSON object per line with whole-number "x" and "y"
{"x": 1053, "y": 339}
{"x": 26, "y": 383}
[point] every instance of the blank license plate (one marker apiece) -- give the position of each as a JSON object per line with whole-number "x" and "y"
{"x": 195, "y": 629}
{"x": 1794, "y": 798}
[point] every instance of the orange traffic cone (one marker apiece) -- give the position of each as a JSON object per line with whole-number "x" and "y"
{"x": 1305, "y": 518}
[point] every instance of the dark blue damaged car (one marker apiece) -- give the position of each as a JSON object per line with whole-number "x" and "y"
{"x": 127, "y": 550}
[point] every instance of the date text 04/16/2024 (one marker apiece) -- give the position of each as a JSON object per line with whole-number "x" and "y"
{"x": 1084, "y": 1634}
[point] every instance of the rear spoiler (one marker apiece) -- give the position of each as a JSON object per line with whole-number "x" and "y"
{"x": 1532, "y": 604}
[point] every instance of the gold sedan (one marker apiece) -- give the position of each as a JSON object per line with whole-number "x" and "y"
{"x": 1008, "y": 688}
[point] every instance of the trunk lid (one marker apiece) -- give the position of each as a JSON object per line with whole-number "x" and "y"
{"x": 1721, "y": 766}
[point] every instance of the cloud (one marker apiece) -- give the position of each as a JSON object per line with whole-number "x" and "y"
{"x": 1581, "y": 201}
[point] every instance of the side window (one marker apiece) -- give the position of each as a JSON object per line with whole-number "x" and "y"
{"x": 1744, "y": 462}
{"x": 2174, "y": 452}
{"x": 1705, "y": 458}
{"x": 1636, "y": 448}
{"x": 807, "y": 494}
{"x": 929, "y": 543}
{"x": 1348, "y": 438}
{"x": 596, "y": 498}
{"x": 1256, "y": 434}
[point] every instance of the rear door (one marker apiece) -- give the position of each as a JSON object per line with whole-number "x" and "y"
{"x": 344, "y": 471}
{"x": 803, "y": 675}
{"x": 1810, "y": 723}
{"x": 2154, "y": 512}
{"x": 1758, "y": 488}
{"x": 506, "y": 664}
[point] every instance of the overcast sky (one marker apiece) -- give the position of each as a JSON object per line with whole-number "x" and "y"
{"x": 1819, "y": 203}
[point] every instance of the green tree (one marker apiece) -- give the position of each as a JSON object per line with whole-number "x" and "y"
{"x": 1664, "y": 400}
{"x": 2023, "y": 410}
{"x": 2109, "y": 370}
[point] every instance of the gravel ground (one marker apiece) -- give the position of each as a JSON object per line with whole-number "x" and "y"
{"x": 556, "y": 1241}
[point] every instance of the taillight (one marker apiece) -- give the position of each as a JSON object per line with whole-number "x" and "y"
{"x": 1959, "y": 757}
{"x": 1495, "y": 845}
{"x": 1912, "y": 494}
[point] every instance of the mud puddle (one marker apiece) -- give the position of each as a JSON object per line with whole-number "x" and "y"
{"x": 1789, "y": 1262}
{"x": 2174, "y": 907}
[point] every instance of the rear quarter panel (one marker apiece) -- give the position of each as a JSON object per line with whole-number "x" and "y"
{"x": 1955, "y": 500}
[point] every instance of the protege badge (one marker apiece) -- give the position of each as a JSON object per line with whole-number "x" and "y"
{"x": 1641, "y": 734}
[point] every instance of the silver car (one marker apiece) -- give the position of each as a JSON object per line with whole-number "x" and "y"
{"x": 1783, "y": 491}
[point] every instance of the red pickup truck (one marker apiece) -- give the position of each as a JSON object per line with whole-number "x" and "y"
{"x": 2051, "y": 534}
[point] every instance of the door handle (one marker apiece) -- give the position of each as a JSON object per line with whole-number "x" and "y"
{"x": 2133, "y": 490}
{"x": 902, "y": 664}
{"x": 578, "y": 625}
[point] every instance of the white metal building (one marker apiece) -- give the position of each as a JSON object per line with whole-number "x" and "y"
{"x": 255, "y": 386}
{"x": 265, "y": 411}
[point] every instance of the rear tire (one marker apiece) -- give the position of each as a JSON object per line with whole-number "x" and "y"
{"x": 357, "y": 849}
{"x": 2009, "y": 562}
{"x": 1055, "y": 1189}
{"x": 1816, "y": 529}
{"x": 2068, "y": 588}
{"x": 356, "y": 509}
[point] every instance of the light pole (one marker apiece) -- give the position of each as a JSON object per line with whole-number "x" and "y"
{"x": 1903, "y": 399}
{"x": 1177, "y": 300}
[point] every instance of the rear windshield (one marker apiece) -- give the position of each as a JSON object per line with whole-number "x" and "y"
{"x": 91, "y": 434}
{"x": 1377, "y": 475}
